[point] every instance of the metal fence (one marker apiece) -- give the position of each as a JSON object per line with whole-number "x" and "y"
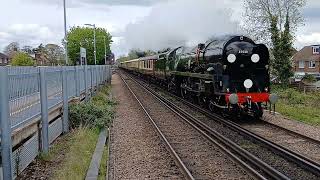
{"x": 28, "y": 94}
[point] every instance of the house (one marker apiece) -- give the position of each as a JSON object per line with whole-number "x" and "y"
{"x": 4, "y": 59}
{"x": 307, "y": 61}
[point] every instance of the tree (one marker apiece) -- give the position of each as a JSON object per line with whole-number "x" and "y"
{"x": 83, "y": 37}
{"x": 275, "y": 22}
{"x": 135, "y": 54}
{"x": 123, "y": 58}
{"x": 11, "y": 49}
{"x": 22, "y": 59}
{"x": 41, "y": 55}
{"x": 54, "y": 54}
{"x": 27, "y": 49}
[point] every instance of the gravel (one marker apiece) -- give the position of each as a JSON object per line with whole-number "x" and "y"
{"x": 136, "y": 150}
{"x": 299, "y": 127}
{"x": 286, "y": 139}
{"x": 202, "y": 158}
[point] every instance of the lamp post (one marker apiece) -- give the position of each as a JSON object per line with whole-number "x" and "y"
{"x": 65, "y": 42}
{"x": 105, "y": 50}
{"x": 94, "y": 39}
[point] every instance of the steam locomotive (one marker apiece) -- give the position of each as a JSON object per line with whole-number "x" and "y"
{"x": 226, "y": 74}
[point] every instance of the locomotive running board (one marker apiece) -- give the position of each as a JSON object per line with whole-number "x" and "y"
{"x": 195, "y": 75}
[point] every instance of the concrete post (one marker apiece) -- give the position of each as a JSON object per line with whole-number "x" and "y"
{"x": 44, "y": 111}
{"x": 77, "y": 79}
{"x": 91, "y": 74}
{"x": 86, "y": 82}
{"x": 110, "y": 74}
{"x": 6, "y": 142}
{"x": 96, "y": 74}
{"x": 65, "y": 119}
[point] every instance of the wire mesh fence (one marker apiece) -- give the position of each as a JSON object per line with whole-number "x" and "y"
{"x": 27, "y": 93}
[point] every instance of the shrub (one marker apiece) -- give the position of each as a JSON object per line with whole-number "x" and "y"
{"x": 97, "y": 113}
{"x": 309, "y": 78}
{"x": 22, "y": 59}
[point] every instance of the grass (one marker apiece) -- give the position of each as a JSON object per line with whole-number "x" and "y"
{"x": 78, "y": 158}
{"x": 87, "y": 119}
{"x": 298, "y": 105}
{"x": 103, "y": 164}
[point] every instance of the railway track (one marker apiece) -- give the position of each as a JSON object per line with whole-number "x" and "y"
{"x": 270, "y": 160}
{"x": 197, "y": 154}
{"x": 297, "y": 142}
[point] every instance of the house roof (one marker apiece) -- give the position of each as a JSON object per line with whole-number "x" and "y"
{"x": 3, "y": 55}
{"x": 306, "y": 54}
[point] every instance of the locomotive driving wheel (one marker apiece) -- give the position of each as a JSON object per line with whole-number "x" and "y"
{"x": 202, "y": 101}
{"x": 257, "y": 111}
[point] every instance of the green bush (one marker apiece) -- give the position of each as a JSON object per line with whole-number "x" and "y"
{"x": 97, "y": 113}
{"x": 309, "y": 78}
{"x": 22, "y": 59}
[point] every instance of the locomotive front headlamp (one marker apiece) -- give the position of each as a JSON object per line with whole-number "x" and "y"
{"x": 255, "y": 58}
{"x": 248, "y": 83}
{"x": 231, "y": 58}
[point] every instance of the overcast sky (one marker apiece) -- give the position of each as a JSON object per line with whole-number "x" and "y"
{"x": 133, "y": 23}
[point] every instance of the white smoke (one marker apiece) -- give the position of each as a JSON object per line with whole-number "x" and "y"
{"x": 180, "y": 22}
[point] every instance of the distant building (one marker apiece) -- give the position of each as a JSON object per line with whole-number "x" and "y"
{"x": 4, "y": 59}
{"x": 307, "y": 61}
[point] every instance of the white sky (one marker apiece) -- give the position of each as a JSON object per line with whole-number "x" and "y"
{"x": 134, "y": 22}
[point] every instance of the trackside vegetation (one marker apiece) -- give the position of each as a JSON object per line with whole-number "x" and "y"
{"x": 86, "y": 119}
{"x": 81, "y": 146}
{"x": 299, "y": 106}
{"x": 97, "y": 113}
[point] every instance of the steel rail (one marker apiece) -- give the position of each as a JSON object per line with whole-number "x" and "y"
{"x": 177, "y": 159}
{"x": 224, "y": 144}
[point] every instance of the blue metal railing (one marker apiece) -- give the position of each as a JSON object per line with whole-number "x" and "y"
{"x": 30, "y": 92}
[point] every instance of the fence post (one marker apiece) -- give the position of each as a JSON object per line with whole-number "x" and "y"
{"x": 110, "y": 73}
{"x": 44, "y": 110}
{"x": 104, "y": 75}
{"x": 65, "y": 119}
{"x": 86, "y": 82}
{"x": 107, "y": 75}
{"x": 77, "y": 79}
{"x": 6, "y": 144}
{"x": 91, "y": 74}
{"x": 96, "y": 73}
{"x": 101, "y": 75}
